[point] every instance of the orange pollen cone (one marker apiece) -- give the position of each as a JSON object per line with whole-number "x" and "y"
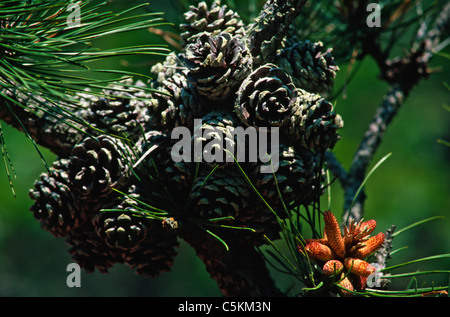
{"x": 323, "y": 241}
{"x": 319, "y": 251}
{"x": 359, "y": 282}
{"x": 332, "y": 267}
{"x": 370, "y": 246}
{"x": 334, "y": 236}
{"x": 345, "y": 282}
{"x": 368, "y": 226}
{"x": 359, "y": 267}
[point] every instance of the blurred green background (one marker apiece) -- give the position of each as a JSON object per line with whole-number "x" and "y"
{"x": 412, "y": 185}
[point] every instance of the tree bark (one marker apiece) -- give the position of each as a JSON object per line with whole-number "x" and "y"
{"x": 50, "y": 129}
{"x": 239, "y": 271}
{"x": 402, "y": 74}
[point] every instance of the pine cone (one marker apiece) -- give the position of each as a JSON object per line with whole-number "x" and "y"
{"x": 122, "y": 230}
{"x": 151, "y": 249}
{"x": 314, "y": 124}
{"x": 90, "y": 251}
{"x": 145, "y": 245}
{"x": 95, "y": 167}
{"x": 215, "y": 20}
{"x": 266, "y": 97}
{"x": 259, "y": 218}
{"x": 121, "y": 112}
{"x": 178, "y": 104}
{"x": 296, "y": 179}
{"x": 311, "y": 69}
{"x": 217, "y": 64}
{"x": 48, "y": 127}
{"x": 55, "y": 206}
{"x": 164, "y": 177}
{"x": 166, "y": 69}
{"x": 221, "y": 193}
{"x": 156, "y": 253}
{"x": 215, "y": 136}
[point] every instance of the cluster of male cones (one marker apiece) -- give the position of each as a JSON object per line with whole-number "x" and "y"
{"x": 342, "y": 256}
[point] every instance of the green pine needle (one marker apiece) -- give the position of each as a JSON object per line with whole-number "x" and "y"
{"x": 416, "y": 224}
{"x": 47, "y": 62}
{"x": 38, "y": 49}
{"x": 9, "y": 167}
{"x": 433, "y": 257}
{"x": 368, "y": 176}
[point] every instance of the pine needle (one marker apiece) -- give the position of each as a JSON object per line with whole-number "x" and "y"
{"x": 7, "y": 161}
{"x": 47, "y": 62}
{"x": 368, "y": 176}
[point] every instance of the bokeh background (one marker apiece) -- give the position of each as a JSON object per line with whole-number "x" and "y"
{"x": 412, "y": 185}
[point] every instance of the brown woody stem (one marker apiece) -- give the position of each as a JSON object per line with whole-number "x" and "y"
{"x": 239, "y": 271}
{"x": 48, "y": 129}
{"x": 406, "y": 76}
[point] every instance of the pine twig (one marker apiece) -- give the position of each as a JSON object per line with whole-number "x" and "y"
{"x": 48, "y": 128}
{"x": 239, "y": 271}
{"x": 335, "y": 166}
{"x": 366, "y": 151}
{"x": 403, "y": 75}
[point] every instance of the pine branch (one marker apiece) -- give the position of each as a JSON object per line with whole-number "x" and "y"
{"x": 366, "y": 151}
{"x": 49, "y": 128}
{"x": 335, "y": 166}
{"x": 403, "y": 74}
{"x": 239, "y": 271}
{"x": 384, "y": 253}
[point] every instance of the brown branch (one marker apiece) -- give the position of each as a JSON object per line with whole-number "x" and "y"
{"x": 367, "y": 148}
{"x": 403, "y": 74}
{"x": 336, "y": 167}
{"x": 240, "y": 271}
{"x": 49, "y": 129}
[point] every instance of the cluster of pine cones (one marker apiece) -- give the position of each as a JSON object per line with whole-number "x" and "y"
{"x": 95, "y": 197}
